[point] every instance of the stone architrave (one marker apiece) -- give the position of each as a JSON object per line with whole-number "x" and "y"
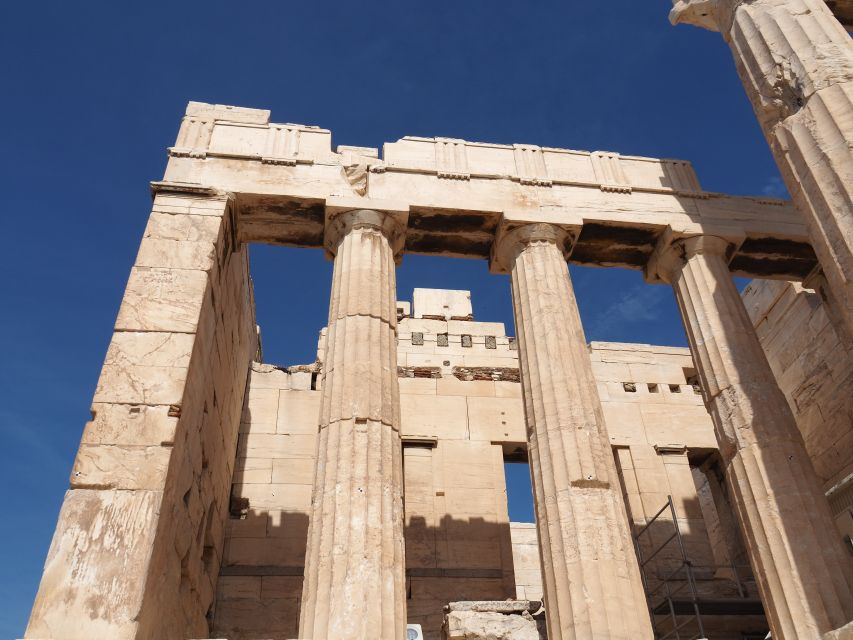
{"x": 354, "y": 566}
{"x": 796, "y": 63}
{"x": 590, "y": 574}
{"x": 804, "y": 575}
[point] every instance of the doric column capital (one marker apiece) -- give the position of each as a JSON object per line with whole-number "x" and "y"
{"x": 513, "y": 237}
{"x": 714, "y": 15}
{"x": 342, "y": 217}
{"x": 672, "y": 252}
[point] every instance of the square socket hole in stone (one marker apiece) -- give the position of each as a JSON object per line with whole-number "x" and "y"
{"x": 675, "y": 388}
{"x": 653, "y": 387}
{"x": 630, "y": 387}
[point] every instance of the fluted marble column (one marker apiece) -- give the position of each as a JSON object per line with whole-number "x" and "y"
{"x": 803, "y": 572}
{"x": 796, "y": 63}
{"x": 354, "y": 566}
{"x": 590, "y": 575}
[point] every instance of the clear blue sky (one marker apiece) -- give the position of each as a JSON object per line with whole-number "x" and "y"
{"x": 95, "y": 92}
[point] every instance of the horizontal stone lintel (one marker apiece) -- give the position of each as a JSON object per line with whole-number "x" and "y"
{"x": 617, "y": 206}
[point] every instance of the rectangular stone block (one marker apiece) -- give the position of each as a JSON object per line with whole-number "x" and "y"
{"x": 425, "y": 359}
{"x": 101, "y": 466}
{"x": 293, "y": 471}
{"x": 131, "y": 384}
{"x": 276, "y": 497}
{"x": 458, "y": 327}
{"x": 418, "y": 386}
{"x": 260, "y": 409}
{"x": 672, "y": 424}
{"x": 192, "y": 228}
{"x": 507, "y": 389}
{"x": 266, "y": 376}
{"x": 101, "y": 538}
{"x": 265, "y": 445}
{"x": 253, "y": 471}
{"x": 496, "y": 419}
{"x": 624, "y": 422}
{"x": 282, "y": 587}
{"x": 422, "y": 325}
{"x": 150, "y": 349}
{"x": 273, "y": 551}
{"x": 452, "y": 386}
{"x": 162, "y": 300}
{"x": 129, "y": 425}
{"x": 494, "y": 359}
{"x": 254, "y": 525}
{"x": 233, "y": 587}
{"x": 438, "y": 417}
{"x": 298, "y": 412}
{"x": 272, "y": 619}
{"x": 176, "y": 254}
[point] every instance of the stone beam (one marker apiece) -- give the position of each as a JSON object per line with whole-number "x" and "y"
{"x": 283, "y": 175}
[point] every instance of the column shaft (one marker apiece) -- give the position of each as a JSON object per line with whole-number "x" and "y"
{"x": 591, "y": 579}
{"x": 804, "y": 575}
{"x": 354, "y": 567}
{"x": 796, "y": 63}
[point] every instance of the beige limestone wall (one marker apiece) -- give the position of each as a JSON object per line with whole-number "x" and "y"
{"x": 813, "y": 368}
{"x": 260, "y": 585}
{"x": 138, "y": 545}
{"x": 525, "y": 561}
{"x": 455, "y": 429}
{"x": 462, "y": 417}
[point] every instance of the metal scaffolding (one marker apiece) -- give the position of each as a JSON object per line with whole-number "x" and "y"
{"x": 675, "y": 604}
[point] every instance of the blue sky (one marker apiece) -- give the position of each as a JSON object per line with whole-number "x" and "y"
{"x": 95, "y": 91}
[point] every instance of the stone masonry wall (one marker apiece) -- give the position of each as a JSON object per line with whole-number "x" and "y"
{"x": 260, "y": 585}
{"x": 137, "y": 548}
{"x": 462, "y": 418}
{"x": 813, "y": 369}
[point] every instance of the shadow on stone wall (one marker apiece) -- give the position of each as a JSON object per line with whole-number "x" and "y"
{"x": 260, "y": 584}
{"x": 460, "y": 559}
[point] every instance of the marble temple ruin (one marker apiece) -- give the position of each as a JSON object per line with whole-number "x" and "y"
{"x": 701, "y": 492}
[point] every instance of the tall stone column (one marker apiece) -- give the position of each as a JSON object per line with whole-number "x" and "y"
{"x": 354, "y": 566}
{"x": 591, "y": 579}
{"x": 804, "y": 575}
{"x": 796, "y": 63}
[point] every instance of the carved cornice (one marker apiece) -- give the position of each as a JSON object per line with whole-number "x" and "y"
{"x": 190, "y": 188}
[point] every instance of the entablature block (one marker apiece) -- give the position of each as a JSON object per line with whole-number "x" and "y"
{"x": 283, "y": 177}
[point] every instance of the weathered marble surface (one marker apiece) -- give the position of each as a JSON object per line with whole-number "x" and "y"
{"x": 140, "y": 536}
{"x": 590, "y": 574}
{"x": 354, "y": 562}
{"x": 796, "y": 63}
{"x": 804, "y": 574}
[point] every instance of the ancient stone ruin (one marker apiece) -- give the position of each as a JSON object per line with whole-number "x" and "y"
{"x": 680, "y": 493}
